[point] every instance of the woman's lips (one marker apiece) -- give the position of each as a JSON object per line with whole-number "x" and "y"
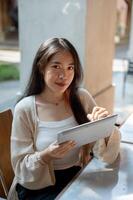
{"x": 61, "y": 84}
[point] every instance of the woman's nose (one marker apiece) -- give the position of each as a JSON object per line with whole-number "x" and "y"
{"x": 62, "y": 74}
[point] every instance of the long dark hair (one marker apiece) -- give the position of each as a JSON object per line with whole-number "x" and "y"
{"x": 36, "y": 82}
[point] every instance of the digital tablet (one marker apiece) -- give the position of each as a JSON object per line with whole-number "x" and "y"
{"x": 88, "y": 132}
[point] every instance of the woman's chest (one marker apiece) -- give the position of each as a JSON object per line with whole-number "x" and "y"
{"x": 53, "y": 112}
{"x": 47, "y": 132}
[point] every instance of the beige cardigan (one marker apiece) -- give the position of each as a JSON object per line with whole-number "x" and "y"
{"x": 30, "y": 171}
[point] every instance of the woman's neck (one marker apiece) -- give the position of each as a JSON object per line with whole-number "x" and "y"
{"x": 48, "y": 97}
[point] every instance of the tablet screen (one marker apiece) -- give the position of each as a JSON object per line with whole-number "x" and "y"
{"x": 88, "y": 132}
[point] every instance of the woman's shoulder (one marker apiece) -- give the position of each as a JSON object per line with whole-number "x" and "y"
{"x": 86, "y": 99}
{"x": 83, "y": 93}
{"x": 25, "y": 103}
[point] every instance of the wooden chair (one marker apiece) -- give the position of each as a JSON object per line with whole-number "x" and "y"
{"x": 6, "y": 172}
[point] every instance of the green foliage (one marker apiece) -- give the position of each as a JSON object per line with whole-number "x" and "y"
{"x": 8, "y": 72}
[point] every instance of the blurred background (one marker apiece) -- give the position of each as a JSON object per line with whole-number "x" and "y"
{"x": 101, "y": 31}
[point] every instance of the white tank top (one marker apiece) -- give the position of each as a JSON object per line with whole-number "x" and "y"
{"x": 47, "y": 134}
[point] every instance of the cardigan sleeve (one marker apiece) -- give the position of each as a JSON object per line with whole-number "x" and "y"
{"x": 29, "y": 170}
{"x": 107, "y": 153}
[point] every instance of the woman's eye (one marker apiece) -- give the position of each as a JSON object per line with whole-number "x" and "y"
{"x": 56, "y": 66}
{"x": 71, "y": 67}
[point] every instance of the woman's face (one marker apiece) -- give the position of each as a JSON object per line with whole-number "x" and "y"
{"x": 59, "y": 72}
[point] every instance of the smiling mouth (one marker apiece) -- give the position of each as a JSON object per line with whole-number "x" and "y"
{"x": 61, "y": 84}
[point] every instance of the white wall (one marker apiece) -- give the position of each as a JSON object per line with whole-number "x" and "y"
{"x": 40, "y": 20}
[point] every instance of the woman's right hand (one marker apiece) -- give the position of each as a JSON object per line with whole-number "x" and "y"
{"x": 56, "y": 151}
{"x": 98, "y": 113}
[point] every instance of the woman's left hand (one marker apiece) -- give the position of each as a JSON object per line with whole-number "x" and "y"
{"x": 98, "y": 113}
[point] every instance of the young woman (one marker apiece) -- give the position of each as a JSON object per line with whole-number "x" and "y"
{"x": 53, "y": 101}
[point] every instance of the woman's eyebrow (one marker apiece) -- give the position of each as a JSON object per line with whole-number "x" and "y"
{"x": 57, "y": 62}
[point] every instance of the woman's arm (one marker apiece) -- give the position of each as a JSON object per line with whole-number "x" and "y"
{"x": 29, "y": 168}
{"x": 105, "y": 149}
{"x": 33, "y": 169}
{"x": 108, "y": 152}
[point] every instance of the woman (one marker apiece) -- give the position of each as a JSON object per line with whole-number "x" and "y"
{"x": 52, "y": 102}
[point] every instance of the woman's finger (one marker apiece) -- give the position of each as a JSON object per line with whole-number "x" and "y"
{"x": 64, "y": 151}
{"x": 67, "y": 145}
{"x": 63, "y": 148}
{"x": 95, "y": 109}
{"x": 89, "y": 116}
{"x": 103, "y": 115}
{"x": 100, "y": 111}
